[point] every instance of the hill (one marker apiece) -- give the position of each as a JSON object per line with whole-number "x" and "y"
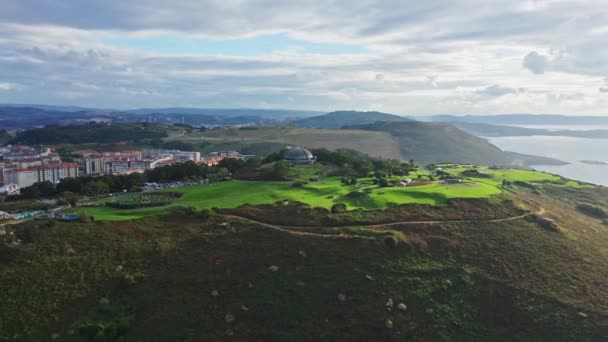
{"x": 90, "y": 133}
{"x": 339, "y": 119}
{"x": 26, "y": 117}
{"x": 489, "y": 130}
{"x": 266, "y": 113}
{"x": 431, "y": 142}
{"x": 267, "y": 139}
{"x": 423, "y": 141}
{"x": 524, "y": 264}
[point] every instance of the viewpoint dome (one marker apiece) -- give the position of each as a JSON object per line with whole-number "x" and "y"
{"x": 299, "y": 155}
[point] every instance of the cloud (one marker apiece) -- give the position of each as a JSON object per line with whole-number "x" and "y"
{"x": 498, "y": 91}
{"x": 65, "y": 51}
{"x": 536, "y": 62}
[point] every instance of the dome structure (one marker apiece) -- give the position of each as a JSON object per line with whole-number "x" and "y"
{"x": 299, "y": 155}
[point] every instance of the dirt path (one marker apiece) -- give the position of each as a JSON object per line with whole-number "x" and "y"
{"x": 294, "y": 229}
{"x": 290, "y": 230}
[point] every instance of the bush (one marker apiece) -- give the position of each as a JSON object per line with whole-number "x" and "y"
{"x": 525, "y": 184}
{"x": 383, "y": 183}
{"x": 298, "y": 184}
{"x": 592, "y": 210}
{"x": 338, "y": 208}
{"x": 475, "y": 173}
{"x": 356, "y": 193}
{"x": 391, "y": 241}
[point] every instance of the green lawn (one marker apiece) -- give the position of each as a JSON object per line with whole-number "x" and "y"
{"x": 323, "y": 194}
{"x": 328, "y": 192}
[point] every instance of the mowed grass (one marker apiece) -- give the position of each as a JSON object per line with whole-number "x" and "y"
{"x": 328, "y": 192}
{"x": 323, "y": 194}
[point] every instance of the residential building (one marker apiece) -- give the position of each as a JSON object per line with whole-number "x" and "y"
{"x": 53, "y": 173}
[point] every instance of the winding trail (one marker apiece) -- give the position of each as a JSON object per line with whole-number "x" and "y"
{"x": 297, "y": 230}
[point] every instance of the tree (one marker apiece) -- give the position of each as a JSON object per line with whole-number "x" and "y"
{"x": 232, "y": 164}
{"x": 281, "y": 169}
{"x": 46, "y": 188}
{"x": 70, "y": 184}
{"x": 96, "y": 188}
{"x": 253, "y": 163}
{"x": 338, "y": 208}
{"x": 31, "y": 192}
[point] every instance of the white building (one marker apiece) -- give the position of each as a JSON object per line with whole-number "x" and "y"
{"x": 175, "y": 154}
{"x": 28, "y": 176}
{"x": 21, "y": 177}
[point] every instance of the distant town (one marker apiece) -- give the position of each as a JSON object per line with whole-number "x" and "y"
{"x": 23, "y": 166}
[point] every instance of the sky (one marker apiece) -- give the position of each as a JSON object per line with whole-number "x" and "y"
{"x": 397, "y": 56}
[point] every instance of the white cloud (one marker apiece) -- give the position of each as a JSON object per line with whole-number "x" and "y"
{"x": 460, "y": 56}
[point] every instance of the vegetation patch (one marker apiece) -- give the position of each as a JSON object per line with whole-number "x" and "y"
{"x": 143, "y": 200}
{"x": 592, "y": 210}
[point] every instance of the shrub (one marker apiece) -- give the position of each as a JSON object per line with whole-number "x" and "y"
{"x": 475, "y": 173}
{"x": 391, "y": 241}
{"x": 592, "y": 210}
{"x": 338, "y": 208}
{"x": 356, "y": 193}
{"x": 383, "y": 183}
{"x": 525, "y": 184}
{"x": 298, "y": 184}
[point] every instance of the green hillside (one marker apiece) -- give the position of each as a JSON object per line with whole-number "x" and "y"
{"x": 431, "y": 142}
{"x": 485, "y": 269}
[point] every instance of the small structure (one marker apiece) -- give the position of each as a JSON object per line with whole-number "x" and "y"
{"x": 299, "y": 156}
{"x": 4, "y": 215}
{"x": 404, "y": 182}
{"x": 10, "y": 189}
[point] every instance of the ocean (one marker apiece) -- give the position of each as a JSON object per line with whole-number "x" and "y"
{"x": 568, "y": 149}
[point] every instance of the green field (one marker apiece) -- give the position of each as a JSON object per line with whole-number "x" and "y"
{"x": 330, "y": 191}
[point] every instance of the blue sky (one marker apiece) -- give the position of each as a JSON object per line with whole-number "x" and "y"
{"x": 254, "y": 46}
{"x": 398, "y": 56}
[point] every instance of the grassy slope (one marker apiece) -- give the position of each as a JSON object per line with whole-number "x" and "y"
{"x": 236, "y": 193}
{"x": 378, "y": 144}
{"x": 430, "y": 142}
{"x": 329, "y": 192}
{"x": 500, "y": 281}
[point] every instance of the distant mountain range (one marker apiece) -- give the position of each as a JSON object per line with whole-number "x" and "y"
{"x": 242, "y": 112}
{"x": 489, "y": 130}
{"x": 521, "y": 119}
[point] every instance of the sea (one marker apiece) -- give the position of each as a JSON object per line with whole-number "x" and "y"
{"x": 569, "y": 149}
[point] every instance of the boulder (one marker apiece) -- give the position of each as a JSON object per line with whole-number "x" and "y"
{"x": 401, "y": 307}
{"x": 273, "y": 268}
{"x": 230, "y": 318}
{"x": 389, "y": 304}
